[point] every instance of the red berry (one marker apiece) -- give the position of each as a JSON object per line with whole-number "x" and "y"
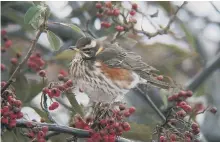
{"x": 187, "y": 108}
{"x": 189, "y": 93}
{"x": 19, "y": 115}
{"x": 98, "y": 5}
{"x": 4, "y": 120}
{"x": 103, "y": 122}
{"x": 181, "y": 113}
{"x": 18, "y": 103}
{"x": 45, "y": 90}
{"x": 60, "y": 77}
{"x": 160, "y": 77}
{"x": 196, "y": 131}
{"x": 116, "y": 12}
{"x": 69, "y": 83}
{"x": 111, "y": 138}
{"x": 40, "y": 134}
{"x": 13, "y": 116}
{"x": 188, "y": 134}
{"x": 134, "y": 6}
{"x": 14, "y": 61}
{"x": 126, "y": 126}
{"x": 55, "y": 92}
{"x": 61, "y": 88}
{"x": 194, "y": 126}
{"x": 182, "y": 104}
{"x": 2, "y": 67}
{"x": 170, "y": 98}
{"x": 3, "y": 83}
{"x": 162, "y": 139}
{"x": 42, "y": 73}
{"x": 105, "y": 24}
{"x": 132, "y": 110}
{"x": 108, "y": 4}
{"x": 182, "y": 93}
{"x": 37, "y": 54}
{"x": 173, "y": 137}
{"x": 3, "y": 32}
{"x": 127, "y": 114}
{"x": 119, "y": 28}
{"x": 12, "y": 123}
{"x": 213, "y": 110}
{"x": 8, "y": 43}
{"x": 63, "y": 72}
{"x": 132, "y": 12}
{"x": 109, "y": 12}
{"x": 55, "y": 105}
{"x": 31, "y": 134}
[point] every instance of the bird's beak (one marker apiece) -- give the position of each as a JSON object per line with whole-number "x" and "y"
{"x": 99, "y": 50}
{"x": 74, "y": 48}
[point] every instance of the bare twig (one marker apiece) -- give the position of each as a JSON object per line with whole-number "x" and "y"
{"x": 20, "y": 65}
{"x": 201, "y": 77}
{"x": 164, "y": 30}
{"x": 218, "y": 10}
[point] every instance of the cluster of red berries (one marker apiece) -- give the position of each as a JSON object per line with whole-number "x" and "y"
{"x": 3, "y": 68}
{"x": 55, "y": 91}
{"x": 107, "y": 9}
{"x": 35, "y": 62}
{"x": 36, "y": 132}
{"x": 179, "y": 111}
{"x": 10, "y": 108}
{"x": 62, "y": 75}
{"x": 105, "y": 127}
{"x": 7, "y": 42}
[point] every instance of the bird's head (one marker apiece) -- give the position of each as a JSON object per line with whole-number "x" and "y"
{"x": 87, "y": 47}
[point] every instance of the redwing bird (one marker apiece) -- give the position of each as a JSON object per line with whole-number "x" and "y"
{"x": 106, "y": 71}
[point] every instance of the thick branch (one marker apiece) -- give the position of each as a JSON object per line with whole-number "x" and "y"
{"x": 63, "y": 129}
{"x": 201, "y": 77}
{"x": 164, "y": 30}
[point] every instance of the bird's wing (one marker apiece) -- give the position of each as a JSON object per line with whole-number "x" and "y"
{"x": 115, "y": 56}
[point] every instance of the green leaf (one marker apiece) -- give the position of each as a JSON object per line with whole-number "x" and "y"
{"x": 34, "y": 89}
{"x": 33, "y": 14}
{"x": 36, "y": 24}
{"x": 54, "y": 40}
{"x": 65, "y": 55}
{"x": 74, "y": 103}
{"x": 73, "y": 27}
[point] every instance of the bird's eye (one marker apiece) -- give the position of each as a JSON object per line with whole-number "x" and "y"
{"x": 86, "y": 50}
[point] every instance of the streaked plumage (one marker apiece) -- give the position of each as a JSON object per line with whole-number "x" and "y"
{"x": 107, "y": 75}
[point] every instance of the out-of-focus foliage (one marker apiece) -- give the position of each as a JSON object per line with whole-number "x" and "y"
{"x": 177, "y": 55}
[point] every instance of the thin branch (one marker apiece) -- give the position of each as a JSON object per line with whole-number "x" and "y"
{"x": 164, "y": 30}
{"x": 21, "y": 64}
{"x": 202, "y": 76}
{"x": 62, "y": 129}
{"x": 218, "y": 10}
{"x": 156, "y": 109}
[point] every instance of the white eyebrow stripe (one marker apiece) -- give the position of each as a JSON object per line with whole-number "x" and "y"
{"x": 91, "y": 45}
